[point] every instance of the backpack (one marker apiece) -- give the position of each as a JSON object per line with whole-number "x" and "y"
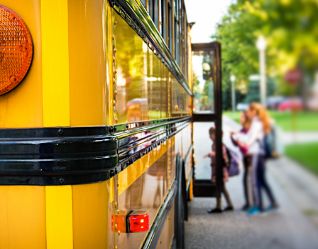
{"x": 234, "y": 162}
{"x": 269, "y": 144}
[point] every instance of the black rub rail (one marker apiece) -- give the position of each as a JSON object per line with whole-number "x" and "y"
{"x": 62, "y": 156}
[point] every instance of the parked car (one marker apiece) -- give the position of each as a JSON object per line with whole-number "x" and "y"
{"x": 242, "y": 107}
{"x": 273, "y": 102}
{"x": 291, "y": 104}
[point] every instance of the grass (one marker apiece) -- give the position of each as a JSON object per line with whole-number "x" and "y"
{"x": 305, "y": 154}
{"x": 233, "y": 115}
{"x": 300, "y": 121}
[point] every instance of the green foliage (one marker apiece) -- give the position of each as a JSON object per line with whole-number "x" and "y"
{"x": 290, "y": 28}
{"x": 305, "y": 154}
{"x": 236, "y": 33}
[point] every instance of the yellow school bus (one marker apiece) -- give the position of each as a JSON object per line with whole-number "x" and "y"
{"x": 95, "y": 123}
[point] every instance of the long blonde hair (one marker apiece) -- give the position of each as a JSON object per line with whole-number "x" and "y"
{"x": 247, "y": 121}
{"x": 263, "y": 115}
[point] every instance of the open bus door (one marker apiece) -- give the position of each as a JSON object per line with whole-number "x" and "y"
{"x": 207, "y": 112}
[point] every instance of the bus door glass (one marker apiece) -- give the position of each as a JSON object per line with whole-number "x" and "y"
{"x": 207, "y": 113}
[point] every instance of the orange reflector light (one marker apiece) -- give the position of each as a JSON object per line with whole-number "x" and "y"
{"x": 119, "y": 222}
{"x": 16, "y": 49}
{"x": 130, "y": 222}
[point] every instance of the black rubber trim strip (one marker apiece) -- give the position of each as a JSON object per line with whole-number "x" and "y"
{"x": 62, "y": 156}
{"x": 123, "y": 163}
{"x": 138, "y": 19}
{"x": 56, "y": 156}
{"x": 131, "y": 128}
{"x": 156, "y": 228}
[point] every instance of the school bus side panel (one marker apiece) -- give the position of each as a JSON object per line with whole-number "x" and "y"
{"x": 87, "y": 61}
{"x": 22, "y": 217}
{"x": 22, "y": 107}
{"x": 144, "y": 185}
{"x": 22, "y": 208}
{"x": 92, "y": 209}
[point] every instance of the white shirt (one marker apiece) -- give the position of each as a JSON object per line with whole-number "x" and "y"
{"x": 253, "y": 138}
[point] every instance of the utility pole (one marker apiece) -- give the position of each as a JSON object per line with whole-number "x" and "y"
{"x": 232, "y": 78}
{"x": 261, "y": 46}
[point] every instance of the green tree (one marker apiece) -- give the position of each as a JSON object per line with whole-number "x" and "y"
{"x": 290, "y": 29}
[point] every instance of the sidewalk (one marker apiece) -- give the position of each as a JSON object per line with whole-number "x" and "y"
{"x": 299, "y": 184}
{"x": 299, "y": 137}
{"x": 293, "y": 226}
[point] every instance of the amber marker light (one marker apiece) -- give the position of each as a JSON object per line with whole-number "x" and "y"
{"x": 16, "y": 49}
{"x": 119, "y": 222}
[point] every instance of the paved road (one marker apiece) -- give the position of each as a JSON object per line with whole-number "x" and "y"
{"x": 293, "y": 226}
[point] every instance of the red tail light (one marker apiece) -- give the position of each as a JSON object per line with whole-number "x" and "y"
{"x": 138, "y": 222}
{"x": 16, "y": 49}
{"x": 130, "y": 222}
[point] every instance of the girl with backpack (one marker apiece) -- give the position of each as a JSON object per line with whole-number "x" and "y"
{"x": 211, "y": 155}
{"x": 254, "y": 140}
{"x": 262, "y": 184}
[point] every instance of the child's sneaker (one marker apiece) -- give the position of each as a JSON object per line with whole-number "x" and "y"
{"x": 253, "y": 211}
{"x": 228, "y": 208}
{"x": 215, "y": 211}
{"x": 245, "y": 207}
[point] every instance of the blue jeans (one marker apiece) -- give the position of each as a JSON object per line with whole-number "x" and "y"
{"x": 260, "y": 182}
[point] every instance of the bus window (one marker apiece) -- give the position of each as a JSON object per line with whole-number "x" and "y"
{"x": 170, "y": 26}
{"x": 203, "y": 82}
{"x": 176, "y": 32}
{"x": 156, "y": 12}
{"x": 162, "y": 21}
{"x": 150, "y": 8}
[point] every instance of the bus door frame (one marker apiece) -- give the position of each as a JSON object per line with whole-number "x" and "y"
{"x": 201, "y": 188}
